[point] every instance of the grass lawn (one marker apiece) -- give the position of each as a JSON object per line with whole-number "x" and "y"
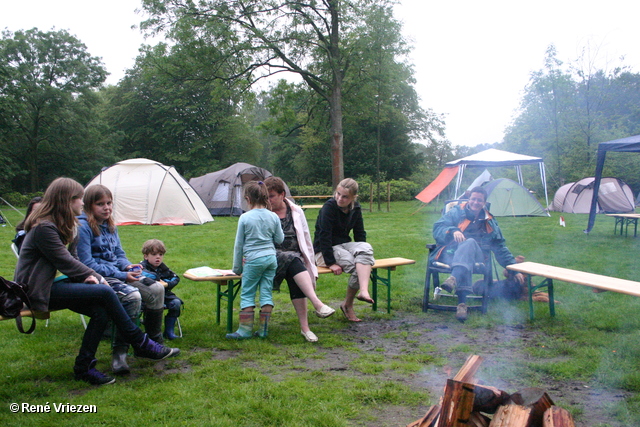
{"x": 384, "y": 371}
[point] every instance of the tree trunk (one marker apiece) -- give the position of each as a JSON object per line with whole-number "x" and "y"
{"x": 335, "y": 101}
{"x": 337, "y": 161}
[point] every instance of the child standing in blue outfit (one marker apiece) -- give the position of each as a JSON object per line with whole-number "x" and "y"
{"x": 259, "y": 230}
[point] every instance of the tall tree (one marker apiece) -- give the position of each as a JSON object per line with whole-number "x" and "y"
{"x": 193, "y": 124}
{"x": 256, "y": 38}
{"x": 47, "y": 80}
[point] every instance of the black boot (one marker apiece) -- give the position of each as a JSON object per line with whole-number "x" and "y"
{"x": 170, "y": 327}
{"x": 119, "y": 360}
{"x": 153, "y": 324}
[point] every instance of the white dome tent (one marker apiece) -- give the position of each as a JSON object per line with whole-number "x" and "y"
{"x": 148, "y": 192}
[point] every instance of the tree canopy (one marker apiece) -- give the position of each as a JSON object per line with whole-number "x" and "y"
{"x": 47, "y": 117}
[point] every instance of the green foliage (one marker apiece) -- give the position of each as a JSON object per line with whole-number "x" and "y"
{"x": 47, "y": 106}
{"x": 567, "y": 110}
{"x": 310, "y": 190}
{"x": 17, "y": 199}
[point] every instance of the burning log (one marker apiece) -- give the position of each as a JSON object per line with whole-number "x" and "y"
{"x": 469, "y": 369}
{"x": 464, "y": 403}
{"x": 511, "y": 416}
{"x": 487, "y": 399}
{"x": 535, "y": 398}
{"x": 478, "y": 420}
{"x": 457, "y": 404}
{"x": 557, "y": 417}
{"x": 429, "y": 419}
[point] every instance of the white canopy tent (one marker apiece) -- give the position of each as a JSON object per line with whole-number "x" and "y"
{"x": 497, "y": 158}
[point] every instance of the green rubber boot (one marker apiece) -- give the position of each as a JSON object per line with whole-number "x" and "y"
{"x": 246, "y": 326}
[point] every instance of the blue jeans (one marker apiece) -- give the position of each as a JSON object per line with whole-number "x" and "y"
{"x": 100, "y": 303}
{"x": 258, "y": 274}
{"x": 466, "y": 255}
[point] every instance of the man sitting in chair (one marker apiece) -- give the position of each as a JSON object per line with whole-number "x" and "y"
{"x": 460, "y": 235}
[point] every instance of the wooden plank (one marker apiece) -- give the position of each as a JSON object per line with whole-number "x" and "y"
{"x": 43, "y": 315}
{"x": 535, "y": 398}
{"x": 487, "y": 399}
{"x": 429, "y": 418}
{"x": 210, "y": 278}
{"x": 606, "y": 283}
{"x": 469, "y": 369}
{"x": 557, "y": 417}
{"x": 457, "y": 404}
{"x": 478, "y": 420}
{"x": 311, "y": 197}
{"x": 632, "y": 216}
{"x": 380, "y": 263}
{"x": 511, "y": 416}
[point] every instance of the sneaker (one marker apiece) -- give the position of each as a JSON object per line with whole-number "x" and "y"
{"x": 149, "y": 349}
{"x": 93, "y": 376}
{"x": 436, "y": 293}
{"x": 449, "y": 285}
{"x": 325, "y": 311}
{"x": 461, "y": 312}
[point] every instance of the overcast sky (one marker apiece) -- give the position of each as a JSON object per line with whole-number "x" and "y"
{"x": 472, "y": 59}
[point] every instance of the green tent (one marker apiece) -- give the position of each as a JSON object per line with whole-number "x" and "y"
{"x": 508, "y": 198}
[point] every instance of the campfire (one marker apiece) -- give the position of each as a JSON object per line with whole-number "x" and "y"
{"x": 465, "y": 403}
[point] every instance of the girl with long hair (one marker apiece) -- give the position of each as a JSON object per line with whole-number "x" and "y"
{"x": 50, "y": 247}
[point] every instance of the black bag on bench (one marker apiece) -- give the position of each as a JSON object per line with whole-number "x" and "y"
{"x": 13, "y": 298}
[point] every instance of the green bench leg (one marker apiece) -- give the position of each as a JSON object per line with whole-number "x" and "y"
{"x": 548, "y": 283}
{"x": 229, "y": 295}
{"x": 386, "y": 281}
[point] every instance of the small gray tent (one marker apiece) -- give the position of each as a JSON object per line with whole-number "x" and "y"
{"x": 508, "y": 198}
{"x": 221, "y": 191}
{"x": 614, "y": 196}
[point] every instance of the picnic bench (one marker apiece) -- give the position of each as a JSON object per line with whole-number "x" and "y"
{"x": 303, "y": 206}
{"x": 227, "y": 287}
{"x": 551, "y": 273}
{"x": 624, "y": 220}
{"x": 387, "y": 264}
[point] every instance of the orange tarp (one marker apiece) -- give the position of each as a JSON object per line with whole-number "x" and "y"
{"x": 438, "y": 184}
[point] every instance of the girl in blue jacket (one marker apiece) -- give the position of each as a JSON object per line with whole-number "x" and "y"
{"x": 254, "y": 257}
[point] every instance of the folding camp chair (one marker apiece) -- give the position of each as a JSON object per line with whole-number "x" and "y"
{"x": 432, "y": 283}
{"x": 432, "y": 279}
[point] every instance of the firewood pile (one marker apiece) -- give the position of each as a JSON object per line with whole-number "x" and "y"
{"x": 465, "y": 403}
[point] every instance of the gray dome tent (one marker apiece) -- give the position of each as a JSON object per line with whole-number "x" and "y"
{"x": 221, "y": 191}
{"x": 614, "y": 196}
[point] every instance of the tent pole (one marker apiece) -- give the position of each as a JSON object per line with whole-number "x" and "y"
{"x": 459, "y": 180}
{"x": 519, "y": 174}
{"x": 543, "y": 176}
{"x": 596, "y": 188}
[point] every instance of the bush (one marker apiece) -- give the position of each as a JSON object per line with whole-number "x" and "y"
{"x": 20, "y": 200}
{"x": 310, "y": 190}
{"x": 400, "y": 189}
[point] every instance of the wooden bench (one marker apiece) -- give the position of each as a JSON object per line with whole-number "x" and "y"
{"x": 42, "y": 315}
{"x": 551, "y": 273}
{"x": 624, "y": 220}
{"x": 303, "y": 206}
{"x": 388, "y": 264}
{"x": 227, "y": 287}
